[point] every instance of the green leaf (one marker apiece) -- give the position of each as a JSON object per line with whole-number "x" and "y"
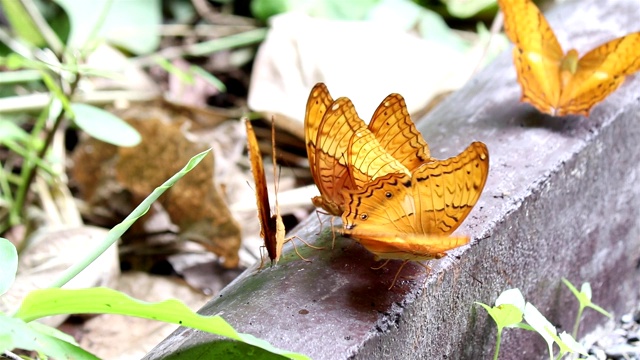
{"x": 9, "y": 131}
{"x": 15, "y": 333}
{"x": 541, "y": 325}
{"x": 105, "y": 126}
{"x": 9, "y": 261}
{"x": 131, "y": 24}
{"x": 584, "y": 297}
{"x": 167, "y": 66}
{"x": 208, "y": 77}
{"x": 569, "y": 344}
{"x": 586, "y": 290}
{"x": 330, "y": 9}
{"x": 15, "y": 61}
{"x": 467, "y": 8}
{"x": 53, "y": 332}
{"x": 408, "y": 15}
{"x": 504, "y": 315}
{"x": 56, "y": 91}
{"x": 22, "y": 23}
{"x": 264, "y": 9}
{"x": 47, "y": 302}
{"x": 513, "y": 297}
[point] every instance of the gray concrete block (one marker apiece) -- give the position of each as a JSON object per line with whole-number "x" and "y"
{"x": 562, "y": 200}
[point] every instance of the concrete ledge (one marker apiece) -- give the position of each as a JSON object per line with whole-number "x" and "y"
{"x": 562, "y": 200}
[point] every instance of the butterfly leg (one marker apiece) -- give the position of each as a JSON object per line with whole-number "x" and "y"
{"x": 333, "y": 234}
{"x": 318, "y": 212}
{"x": 261, "y": 257}
{"x": 295, "y": 248}
{"x": 333, "y": 231}
{"x": 381, "y": 266}
{"x": 319, "y": 220}
{"x": 397, "y": 273}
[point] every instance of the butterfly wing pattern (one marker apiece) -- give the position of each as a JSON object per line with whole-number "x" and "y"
{"x": 434, "y": 200}
{"x": 394, "y": 129}
{"x": 559, "y": 83}
{"x": 343, "y": 153}
{"x": 394, "y": 198}
{"x": 599, "y": 73}
{"x": 272, "y": 228}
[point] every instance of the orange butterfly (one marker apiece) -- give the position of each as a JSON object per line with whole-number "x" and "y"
{"x": 272, "y": 228}
{"x": 345, "y": 154}
{"x": 557, "y": 83}
{"x": 409, "y": 218}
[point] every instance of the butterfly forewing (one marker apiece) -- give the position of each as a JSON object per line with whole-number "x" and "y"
{"x": 600, "y": 72}
{"x": 537, "y": 53}
{"x": 394, "y": 129}
{"x": 268, "y": 224}
{"x": 351, "y": 144}
{"x": 317, "y": 104}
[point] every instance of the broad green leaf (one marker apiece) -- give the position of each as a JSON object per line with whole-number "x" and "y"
{"x": 131, "y": 24}
{"x": 9, "y": 261}
{"x": 513, "y": 297}
{"x": 505, "y": 315}
{"x": 15, "y": 333}
{"x": 47, "y": 302}
{"x": 22, "y": 23}
{"x": 467, "y": 8}
{"x": 105, "y": 126}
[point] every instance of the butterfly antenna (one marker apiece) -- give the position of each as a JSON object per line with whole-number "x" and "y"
{"x": 496, "y": 25}
{"x": 457, "y": 259}
{"x": 276, "y": 176}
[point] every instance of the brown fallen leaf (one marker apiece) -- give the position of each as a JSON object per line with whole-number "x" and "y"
{"x": 115, "y": 180}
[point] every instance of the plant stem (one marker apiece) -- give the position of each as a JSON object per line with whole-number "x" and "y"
{"x": 45, "y": 30}
{"x": 205, "y": 48}
{"x": 29, "y": 169}
{"x": 498, "y": 340}
{"x": 577, "y": 324}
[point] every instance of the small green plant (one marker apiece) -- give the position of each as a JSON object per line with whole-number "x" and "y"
{"x": 19, "y": 331}
{"x": 510, "y": 309}
{"x": 584, "y": 299}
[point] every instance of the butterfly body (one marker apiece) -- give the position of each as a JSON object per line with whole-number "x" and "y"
{"x": 557, "y": 83}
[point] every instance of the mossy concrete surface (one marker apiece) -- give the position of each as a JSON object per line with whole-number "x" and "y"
{"x": 562, "y": 200}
